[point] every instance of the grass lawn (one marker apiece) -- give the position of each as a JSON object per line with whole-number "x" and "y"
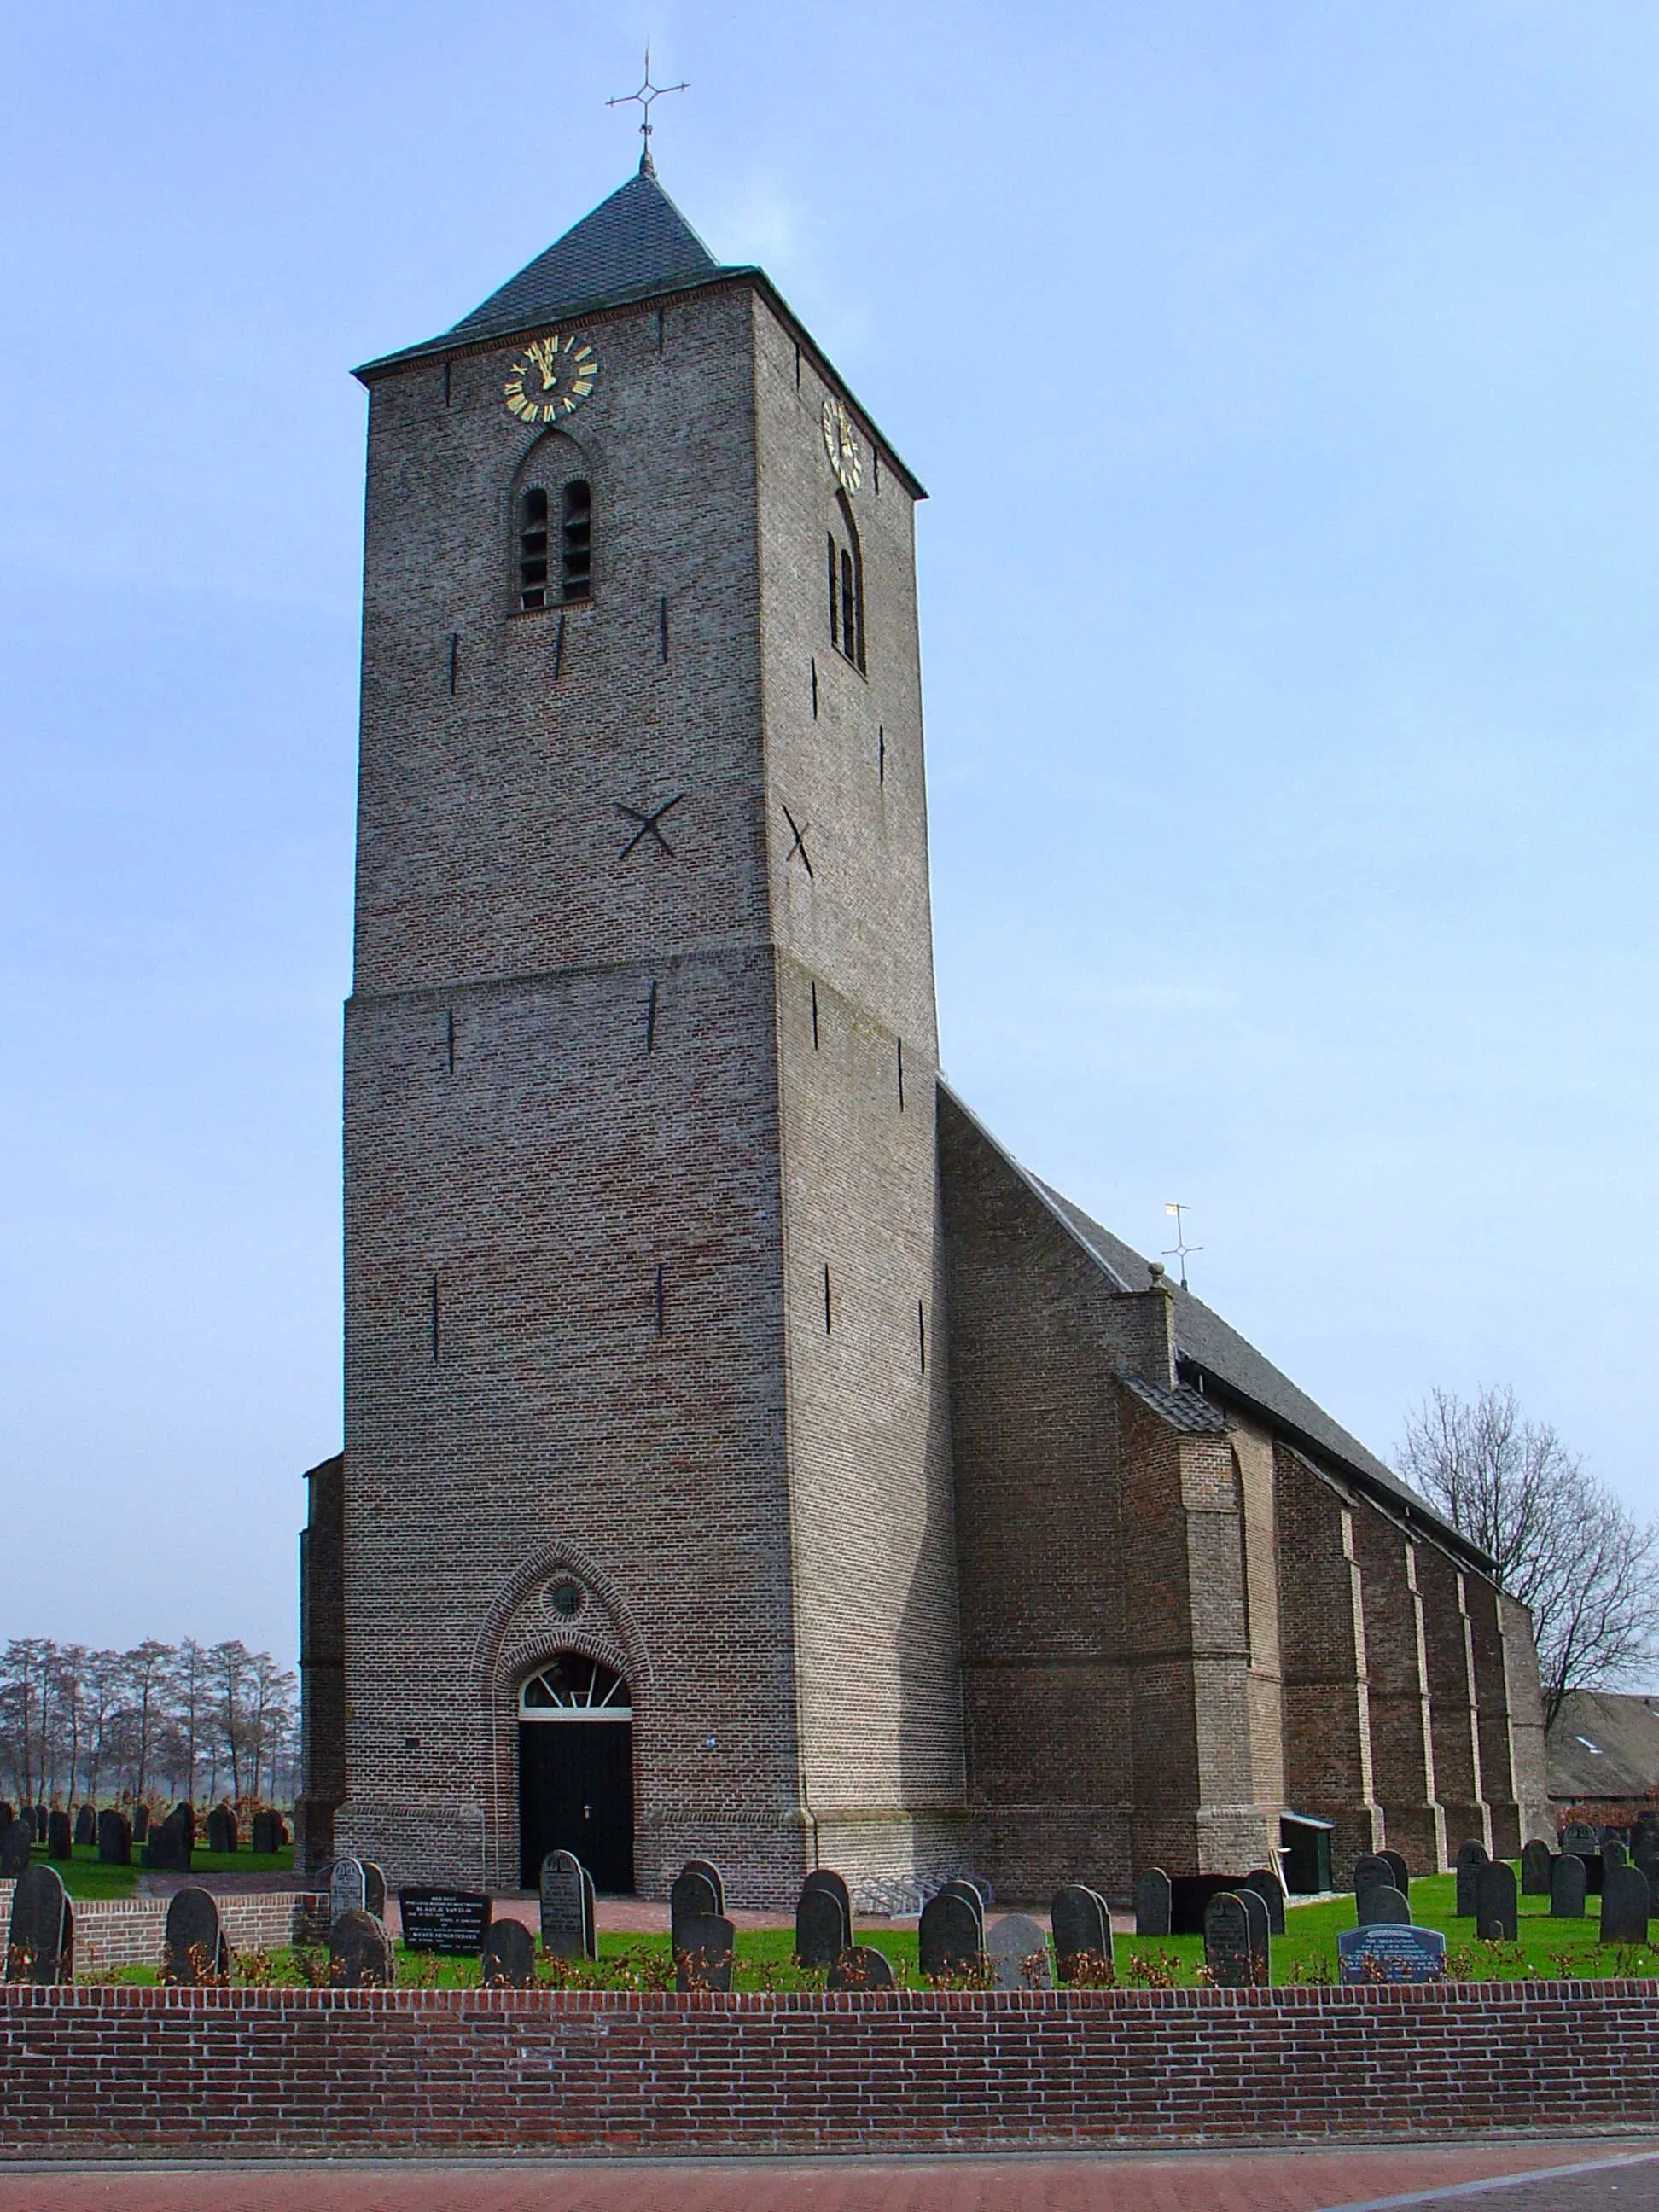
{"x": 85, "y": 1875}
{"x": 1547, "y": 1949}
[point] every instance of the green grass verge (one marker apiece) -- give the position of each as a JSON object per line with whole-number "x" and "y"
{"x": 1547, "y": 1950}
{"x": 85, "y": 1875}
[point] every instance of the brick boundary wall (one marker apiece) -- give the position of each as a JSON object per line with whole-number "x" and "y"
{"x": 129, "y": 1931}
{"x": 240, "y": 2072}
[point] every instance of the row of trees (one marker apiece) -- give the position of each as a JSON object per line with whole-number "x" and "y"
{"x": 1561, "y": 1541}
{"x": 163, "y": 1720}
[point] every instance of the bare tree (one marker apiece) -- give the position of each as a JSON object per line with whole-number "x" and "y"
{"x": 147, "y": 1667}
{"x": 1560, "y": 1540}
{"x": 191, "y": 1707}
{"x": 230, "y": 1669}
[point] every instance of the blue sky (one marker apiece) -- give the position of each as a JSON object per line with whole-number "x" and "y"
{"x": 1283, "y": 375}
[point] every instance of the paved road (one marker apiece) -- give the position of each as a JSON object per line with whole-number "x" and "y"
{"x": 1626, "y": 2179}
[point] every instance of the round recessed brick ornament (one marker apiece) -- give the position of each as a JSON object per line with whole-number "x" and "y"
{"x": 564, "y": 1598}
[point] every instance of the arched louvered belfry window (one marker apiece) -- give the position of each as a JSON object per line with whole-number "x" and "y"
{"x": 553, "y": 528}
{"x": 845, "y": 559}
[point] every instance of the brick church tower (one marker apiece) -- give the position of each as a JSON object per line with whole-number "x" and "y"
{"x": 642, "y": 1543}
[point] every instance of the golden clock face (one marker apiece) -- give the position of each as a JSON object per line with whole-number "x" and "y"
{"x": 554, "y": 375}
{"x": 840, "y": 442}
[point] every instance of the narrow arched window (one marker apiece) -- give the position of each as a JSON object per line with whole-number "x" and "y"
{"x": 556, "y": 544}
{"x": 846, "y": 581}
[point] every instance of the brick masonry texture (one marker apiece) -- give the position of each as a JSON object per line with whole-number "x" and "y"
{"x": 230, "y": 2074}
{"x": 672, "y": 1269}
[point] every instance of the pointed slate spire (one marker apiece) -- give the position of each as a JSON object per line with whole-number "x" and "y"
{"x": 635, "y": 241}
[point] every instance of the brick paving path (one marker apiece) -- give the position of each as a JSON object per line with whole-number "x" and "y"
{"x": 1259, "y": 2181}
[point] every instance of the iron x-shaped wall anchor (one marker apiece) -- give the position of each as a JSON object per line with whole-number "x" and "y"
{"x": 648, "y": 825}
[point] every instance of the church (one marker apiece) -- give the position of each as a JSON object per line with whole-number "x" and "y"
{"x": 745, "y": 1455}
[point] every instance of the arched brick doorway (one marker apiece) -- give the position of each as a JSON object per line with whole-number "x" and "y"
{"x": 576, "y": 1770}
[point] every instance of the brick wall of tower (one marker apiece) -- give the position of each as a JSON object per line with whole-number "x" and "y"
{"x": 878, "y": 1700}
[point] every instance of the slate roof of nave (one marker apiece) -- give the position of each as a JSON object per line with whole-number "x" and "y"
{"x": 1620, "y": 1757}
{"x": 1211, "y": 1353}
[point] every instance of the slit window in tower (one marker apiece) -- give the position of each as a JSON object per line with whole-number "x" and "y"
{"x": 577, "y": 547}
{"x": 532, "y": 548}
{"x": 847, "y": 586}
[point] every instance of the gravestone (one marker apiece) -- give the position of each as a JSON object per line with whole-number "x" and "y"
{"x": 373, "y": 1889}
{"x": 1082, "y": 1930}
{"x": 262, "y": 1833}
{"x": 1496, "y": 1912}
{"x": 114, "y": 1837}
{"x": 283, "y": 1838}
{"x": 1153, "y": 1903}
{"x": 1017, "y": 1948}
{"x": 972, "y": 1895}
{"x": 1648, "y": 1862}
{"x": 1229, "y": 1951}
{"x": 185, "y": 1813}
{"x": 222, "y": 1829}
{"x": 40, "y": 1824}
{"x": 827, "y": 1878}
{"x": 1391, "y": 1952}
{"x": 194, "y": 1952}
{"x": 452, "y": 1921}
{"x": 1271, "y": 1890}
{"x": 510, "y": 1956}
{"x": 60, "y": 1836}
{"x": 359, "y": 1952}
{"x": 708, "y": 1866}
{"x": 1579, "y": 1836}
{"x": 705, "y": 1946}
{"x": 1613, "y": 1853}
{"x": 949, "y": 1936}
{"x": 567, "y": 1923}
{"x": 1381, "y": 1905}
{"x": 348, "y": 1889}
{"x": 1401, "y": 1875}
{"x": 1471, "y": 1857}
{"x": 821, "y": 1929}
{"x": 14, "y": 1847}
{"x": 695, "y": 1896}
{"x": 40, "y": 1940}
{"x": 1256, "y": 1911}
{"x": 860, "y": 1969}
{"x": 140, "y": 1824}
{"x": 86, "y": 1827}
{"x": 1189, "y": 1899}
{"x": 1535, "y": 1862}
{"x": 1370, "y": 1867}
{"x": 1626, "y": 1903}
{"x": 986, "y": 1888}
{"x": 169, "y": 1845}
{"x": 1567, "y": 1887}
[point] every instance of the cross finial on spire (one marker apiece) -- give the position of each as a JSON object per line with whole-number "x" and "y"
{"x": 647, "y": 93}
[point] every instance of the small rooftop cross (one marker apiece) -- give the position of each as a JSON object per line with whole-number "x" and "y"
{"x": 647, "y": 93}
{"x": 1181, "y": 1248}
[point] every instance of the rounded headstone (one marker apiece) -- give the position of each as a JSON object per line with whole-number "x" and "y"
{"x": 1228, "y": 1949}
{"x": 347, "y": 1888}
{"x": 1381, "y": 1905}
{"x": 1082, "y": 1930}
{"x": 60, "y": 1836}
{"x": 114, "y": 1837}
{"x": 1369, "y": 1867}
{"x": 971, "y": 1895}
{"x": 1153, "y": 1903}
{"x": 1256, "y": 1911}
{"x": 41, "y": 1938}
{"x": 1471, "y": 1857}
{"x": 1017, "y": 1948}
{"x": 140, "y": 1824}
{"x": 1568, "y": 1885}
{"x": 374, "y": 1889}
{"x": 949, "y": 1936}
{"x": 510, "y": 1956}
{"x": 16, "y": 1844}
{"x": 827, "y": 1878}
{"x": 194, "y": 1952}
{"x": 86, "y": 1827}
{"x": 860, "y": 1969}
{"x": 565, "y": 1932}
{"x": 1535, "y": 1860}
{"x": 360, "y": 1954}
{"x": 694, "y": 1897}
{"x": 1400, "y": 1873}
{"x": 1626, "y": 1906}
{"x": 708, "y": 1866}
{"x": 1270, "y": 1889}
{"x": 1496, "y": 1907}
{"x": 705, "y": 1948}
{"x": 821, "y": 1929}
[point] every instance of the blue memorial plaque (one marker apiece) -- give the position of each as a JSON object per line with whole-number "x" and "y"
{"x": 1392, "y": 1952}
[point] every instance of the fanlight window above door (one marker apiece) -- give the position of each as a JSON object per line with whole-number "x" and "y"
{"x": 572, "y": 1687}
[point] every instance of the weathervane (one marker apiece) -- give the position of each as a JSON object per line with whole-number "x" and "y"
{"x": 647, "y": 93}
{"x": 1181, "y": 1248}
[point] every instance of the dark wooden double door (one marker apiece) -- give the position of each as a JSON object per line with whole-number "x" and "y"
{"x": 576, "y": 1794}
